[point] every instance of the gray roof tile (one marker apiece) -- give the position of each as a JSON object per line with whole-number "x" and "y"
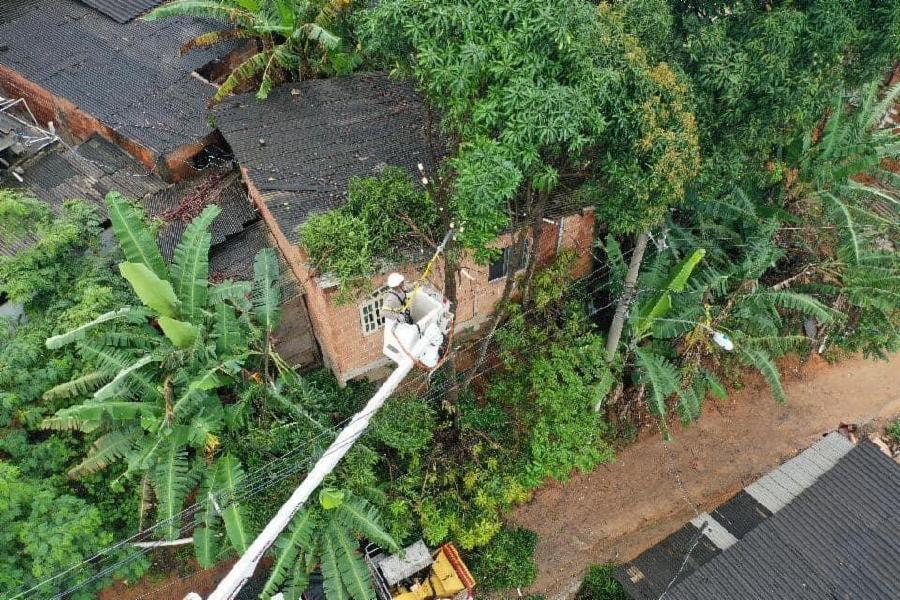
{"x": 129, "y": 76}
{"x": 303, "y": 144}
{"x": 122, "y": 11}
{"x": 837, "y": 539}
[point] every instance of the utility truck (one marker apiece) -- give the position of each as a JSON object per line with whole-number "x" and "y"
{"x": 418, "y": 573}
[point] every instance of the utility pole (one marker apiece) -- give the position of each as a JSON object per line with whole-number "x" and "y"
{"x": 243, "y": 569}
{"x": 618, "y": 322}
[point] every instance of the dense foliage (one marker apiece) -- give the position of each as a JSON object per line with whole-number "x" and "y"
{"x": 600, "y": 584}
{"x": 50, "y": 522}
{"x": 507, "y": 562}
{"x": 381, "y": 224}
{"x": 537, "y": 94}
{"x": 156, "y": 371}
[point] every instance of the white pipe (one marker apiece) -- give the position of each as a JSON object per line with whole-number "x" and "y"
{"x": 164, "y": 543}
{"x": 246, "y": 565}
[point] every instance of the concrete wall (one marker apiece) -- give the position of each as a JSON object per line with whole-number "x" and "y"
{"x": 350, "y": 353}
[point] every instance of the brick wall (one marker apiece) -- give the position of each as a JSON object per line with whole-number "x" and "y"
{"x": 350, "y": 353}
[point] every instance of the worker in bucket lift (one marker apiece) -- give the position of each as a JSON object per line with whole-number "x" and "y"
{"x": 395, "y": 299}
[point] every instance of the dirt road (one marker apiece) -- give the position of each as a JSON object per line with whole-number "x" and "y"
{"x": 617, "y": 511}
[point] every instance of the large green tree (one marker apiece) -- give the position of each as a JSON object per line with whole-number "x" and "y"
{"x": 763, "y": 73}
{"x": 539, "y": 100}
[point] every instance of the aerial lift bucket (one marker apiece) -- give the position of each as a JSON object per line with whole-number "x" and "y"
{"x": 431, "y": 320}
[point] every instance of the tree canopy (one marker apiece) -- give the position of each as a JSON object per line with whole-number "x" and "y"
{"x": 538, "y": 95}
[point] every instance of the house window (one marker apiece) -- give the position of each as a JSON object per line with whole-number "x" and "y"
{"x": 370, "y": 312}
{"x": 501, "y": 267}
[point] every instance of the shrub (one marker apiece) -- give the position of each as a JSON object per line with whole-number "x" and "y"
{"x": 893, "y": 431}
{"x": 372, "y": 228}
{"x": 599, "y": 584}
{"x": 507, "y": 561}
{"x": 338, "y": 243}
{"x": 406, "y": 424}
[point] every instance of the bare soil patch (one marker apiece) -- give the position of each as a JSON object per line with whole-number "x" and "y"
{"x": 619, "y": 510}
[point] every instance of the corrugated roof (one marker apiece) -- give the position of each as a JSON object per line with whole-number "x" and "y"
{"x": 129, "y": 76}
{"x": 13, "y": 9}
{"x": 303, "y": 144}
{"x": 122, "y": 10}
{"x": 96, "y": 167}
{"x": 87, "y": 172}
{"x": 835, "y": 538}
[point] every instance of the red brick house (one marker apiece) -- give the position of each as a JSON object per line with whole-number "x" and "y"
{"x": 298, "y": 151}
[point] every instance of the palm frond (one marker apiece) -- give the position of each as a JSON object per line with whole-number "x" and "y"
{"x": 80, "y": 386}
{"x": 226, "y": 329}
{"x": 112, "y": 388}
{"x": 236, "y": 292}
{"x": 848, "y": 219}
{"x": 288, "y": 547}
{"x": 138, "y": 244}
{"x": 205, "y": 547}
{"x": 777, "y": 345}
{"x": 113, "y": 360}
{"x": 209, "y": 9}
{"x": 181, "y": 333}
{"x": 318, "y": 34}
{"x": 244, "y": 73}
{"x": 878, "y": 111}
{"x": 760, "y": 360}
{"x": 228, "y": 473}
{"x": 797, "y": 302}
{"x": 132, "y": 341}
{"x": 190, "y": 264}
{"x": 331, "y": 572}
{"x": 127, "y": 312}
{"x": 662, "y": 303}
{"x": 215, "y": 37}
{"x": 172, "y": 480}
{"x": 357, "y": 514}
{"x": 154, "y": 291}
{"x": 266, "y": 297}
{"x": 354, "y": 574}
{"x": 87, "y": 417}
{"x": 206, "y": 542}
{"x": 662, "y": 376}
{"x": 108, "y": 448}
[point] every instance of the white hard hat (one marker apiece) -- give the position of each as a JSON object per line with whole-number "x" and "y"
{"x": 395, "y": 280}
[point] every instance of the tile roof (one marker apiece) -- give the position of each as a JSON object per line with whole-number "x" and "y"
{"x": 303, "y": 144}
{"x": 824, "y": 525}
{"x": 129, "y": 76}
{"x": 123, "y": 11}
{"x": 97, "y": 166}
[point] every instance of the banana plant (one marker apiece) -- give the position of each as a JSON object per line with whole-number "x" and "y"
{"x": 328, "y": 536}
{"x": 289, "y": 35}
{"x": 152, "y": 396}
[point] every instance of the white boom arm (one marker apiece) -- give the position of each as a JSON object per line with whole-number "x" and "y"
{"x": 405, "y": 344}
{"x": 244, "y": 568}
{"x": 246, "y": 565}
